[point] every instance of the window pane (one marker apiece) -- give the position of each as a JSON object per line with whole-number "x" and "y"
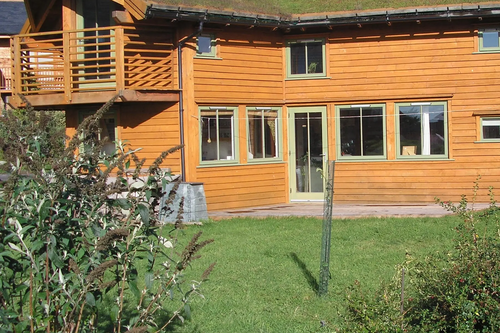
{"x": 436, "y": 125}
{"x": 270, "y": 133}
{"x": 204, "y": 44}
{"x": 209, "y": 138}
{"x": 373, "y": 132}
{"x": 350, "y": 132}
{"x": 298, "y": 58}
{"x": 490, "y": 39}
{"x": 255, "y": 137}
{"x": 314, "y": 57}
{"x": 225, "y": 137}
{"x": 491, "y": 128}
{"x": 410, "y": 130}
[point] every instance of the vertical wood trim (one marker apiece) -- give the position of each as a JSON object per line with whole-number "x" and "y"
{"x": 67, "y": 65}
{"x": 449, "y": 108}
{"x": 69, "y": 14}
{"x": 390, "y": 140}
{"x": 478, "y": 127}
{"x": 241, "y": 120}
{"x": 331, "y": 131}
{"x": 286, "y": 149}
{"x": 120, "y": 59}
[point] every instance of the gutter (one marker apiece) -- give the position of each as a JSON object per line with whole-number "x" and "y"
{"x": 321, "y": 20}
{"x": 181, "y": 97}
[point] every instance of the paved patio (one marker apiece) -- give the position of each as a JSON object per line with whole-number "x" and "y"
{"x": 315, "y": 209}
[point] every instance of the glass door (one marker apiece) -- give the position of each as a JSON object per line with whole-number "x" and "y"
{"x": 96, "y": 51}
{"x": 308, "y": 152}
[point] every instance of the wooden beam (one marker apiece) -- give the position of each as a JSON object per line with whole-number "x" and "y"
{"x": 29, "y": 12}
{"x": 137, "y": 8}
{"x": 45, "y": 12}
{"x": 122, "y": 16}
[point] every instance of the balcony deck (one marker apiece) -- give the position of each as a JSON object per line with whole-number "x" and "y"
{"x": 92, "y": 65}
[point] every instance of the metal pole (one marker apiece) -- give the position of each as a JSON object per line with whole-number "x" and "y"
{"x": 324, "y": 273}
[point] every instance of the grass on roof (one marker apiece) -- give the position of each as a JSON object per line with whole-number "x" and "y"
{"x": 287, "y": 7}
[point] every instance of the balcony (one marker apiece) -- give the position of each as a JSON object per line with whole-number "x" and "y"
{"x": 92, "y": 65}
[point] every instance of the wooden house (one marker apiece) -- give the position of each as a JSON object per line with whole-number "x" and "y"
{"x": 406, "y": 101}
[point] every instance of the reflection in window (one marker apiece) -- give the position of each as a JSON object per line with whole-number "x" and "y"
{"x": 490, "y": 128}
{"x": 422, "y": 129}
{"x": 205, "y": 46}
{"x": 262, "y": 133}
{"x": 306, "y": 57}
{"x": 217, "y": 134}
{"x": 361, "y": 130}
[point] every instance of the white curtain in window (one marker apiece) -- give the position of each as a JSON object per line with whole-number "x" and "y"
{"x": 426, "y": 131}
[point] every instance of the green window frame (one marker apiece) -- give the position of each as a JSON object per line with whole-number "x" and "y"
{"x": 306, "y": 58}
{"x": 489, "y": 40}
{"x": 361, "y": 132}
{"x": 264, "y": 134}
{"x": 107, "y": 129}
{"x": 490, "y": 129}
{"x": 206, "y": 46}
{"x": 422, "y": 130}
{"x": 218, "y": 135}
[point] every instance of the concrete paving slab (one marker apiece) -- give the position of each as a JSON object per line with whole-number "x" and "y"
{"x": 315, "y": 209}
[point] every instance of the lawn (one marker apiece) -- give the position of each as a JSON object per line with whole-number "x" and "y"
{"x": 266, "y": 275}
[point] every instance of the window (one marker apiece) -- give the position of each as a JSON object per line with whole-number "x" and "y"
{"x": 106, "y": 131}
{"x": 218, "y": 134}
{"x": 306, "y": 58}
{"x": 263, "y": 133}
{"x": 361, "y": 131}
{"x": 490, "y": 129}
{"x": 489, "y": 40}
{"x": 206, "y": 46}
{"x": 422, "y": 129}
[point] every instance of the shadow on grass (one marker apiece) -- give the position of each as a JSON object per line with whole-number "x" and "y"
{"x": 311, "y": 280}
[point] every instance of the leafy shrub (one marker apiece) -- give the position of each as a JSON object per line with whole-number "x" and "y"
{"x": 74, "y": 241}
{"x": 458, "y": 291}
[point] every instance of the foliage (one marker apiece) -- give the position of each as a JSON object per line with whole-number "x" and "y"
{"x": 73, "y": 240}
{"x": 455, "y": 291}
{"x": 19, "y": 128}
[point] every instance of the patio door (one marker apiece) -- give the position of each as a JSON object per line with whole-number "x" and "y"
{"x": 308, "y": 152}
{"x": 96, "y": 50}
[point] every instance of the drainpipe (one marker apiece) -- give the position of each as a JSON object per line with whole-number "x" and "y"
{"x": 181, "y": 98}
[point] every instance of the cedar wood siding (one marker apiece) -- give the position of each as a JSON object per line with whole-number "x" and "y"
{"x": 153, "y": 127}
{"x": 404, "y": 63}
{"x": 248, "y": 73}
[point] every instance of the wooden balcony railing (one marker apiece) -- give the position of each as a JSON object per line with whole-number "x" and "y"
{"x": 5, "y": 79}
{"x": 103, "y": 59}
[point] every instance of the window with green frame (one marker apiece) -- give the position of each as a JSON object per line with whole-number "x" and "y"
{"x": 218, "y": 133}
{"x": 263, "y": 130}
{"x": 206, "y": 46}
{"x": 490, "y": 129}
{"x": 306, "y": 58}
{"x": 422, "y": 130}
{"x": 361, "y": 131}
{"x": 106, "y": 131}
{"x": 489, "y": 40}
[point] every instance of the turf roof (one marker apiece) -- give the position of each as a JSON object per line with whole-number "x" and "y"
{"x": 290, "y": 7}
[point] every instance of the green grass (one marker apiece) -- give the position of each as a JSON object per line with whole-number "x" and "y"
{"x": 286, "y": 7}
{"x": 266, "y": 275}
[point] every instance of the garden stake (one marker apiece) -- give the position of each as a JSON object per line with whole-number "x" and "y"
{"x": 324, "y": 272}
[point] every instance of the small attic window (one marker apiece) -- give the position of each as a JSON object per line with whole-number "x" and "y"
{"x": 206, "y": 46}
{"x": 489, "y": 40}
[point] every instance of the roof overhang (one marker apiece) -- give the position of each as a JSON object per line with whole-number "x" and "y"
{"x": 174, "y": 13}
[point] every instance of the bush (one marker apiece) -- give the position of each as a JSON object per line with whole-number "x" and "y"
{"x": 81, "y": 251}
{"x": 457, "y": 291}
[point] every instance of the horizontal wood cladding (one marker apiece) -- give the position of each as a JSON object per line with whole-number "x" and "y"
{"x": 154, "y": 127}
{"x": 248, "y": 67}
{"x": 243, "y": 186}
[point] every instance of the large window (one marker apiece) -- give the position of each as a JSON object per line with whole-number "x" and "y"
{"x": 306, "y": 58}
{"x": 218, "y": 134}
{"x": 489, "y": 40}
{"x": 263, "y": 133}
{"x": 490, "y": 129}
{"x": 422, "y": 130}
{"x": 361, "y": 131}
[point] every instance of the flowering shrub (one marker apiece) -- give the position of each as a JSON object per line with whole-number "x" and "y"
{"x": 458, "y": 291}
{"x": 81, "y": 251}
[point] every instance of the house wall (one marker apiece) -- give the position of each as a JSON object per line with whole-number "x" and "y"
{"x": 403, "y": 63}
{"x": 430, "y": 61}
